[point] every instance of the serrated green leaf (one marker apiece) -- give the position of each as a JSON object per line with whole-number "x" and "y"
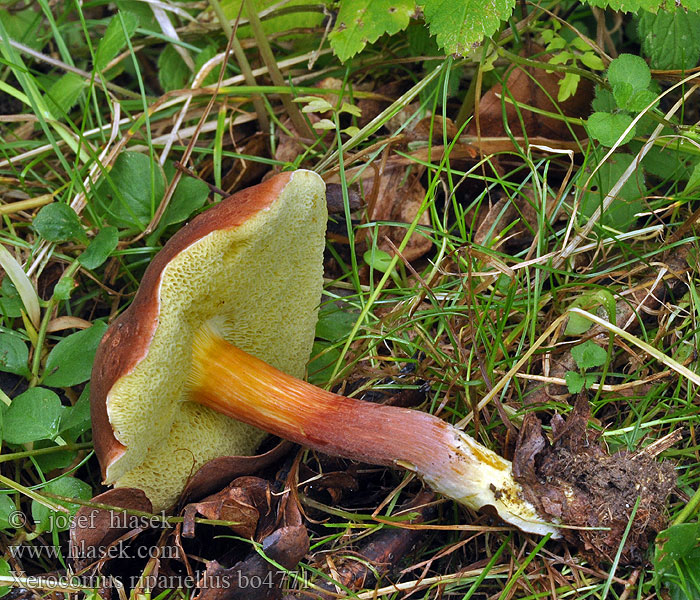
{"x": 603, "y": 101}
{"x": 69, "y": 487}
{"x": 621, "y": 212}
{"x": 173, "y": 73}
{"x": 670, "y": 39}
{"x": 622, "y": 92}
{"x": 64, "y": 93}
{"x": 99, "y": 249}
{"x": 568, "y": 86}
{"x": 607, "y": 128}
{"x": 57, "y": 222}
{"x": 640, "y": 100}
{"x": 631, "y": 69}
{"x": 589, "y": 355}
{"x": 459, "y": 25}
{"x": 70, "y": 361}
{"x": 362, "y": 22}
{"x": 114, "y": 38}
{"x": 650, "y": 5}
{"x": 14, "y": 355}
{"x": 33, "y": 415}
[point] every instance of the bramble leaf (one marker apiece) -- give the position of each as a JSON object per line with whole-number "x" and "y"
{"x": 361, "y": 22}
{"x": 670, "y": 39}
{"x": 461, "y": 25}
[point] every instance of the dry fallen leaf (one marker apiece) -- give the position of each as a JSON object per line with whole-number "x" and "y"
{"x": 539, "y": 89}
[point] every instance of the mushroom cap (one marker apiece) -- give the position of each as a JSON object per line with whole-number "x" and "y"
{"x": 251, "y": 267}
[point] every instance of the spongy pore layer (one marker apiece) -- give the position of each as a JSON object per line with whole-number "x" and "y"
{"x": 259, "y": 284}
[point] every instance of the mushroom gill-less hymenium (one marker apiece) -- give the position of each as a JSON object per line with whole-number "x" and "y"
{"x": 209, "y": 352}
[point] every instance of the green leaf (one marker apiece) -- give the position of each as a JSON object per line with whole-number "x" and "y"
{"x": 607, "y": 128}
{"x": 640, "y": 100}
{"x": 189, "y": 196}
{"x": 575, "y": 382}
{"x": 631, "y": 69}
{"x": 589, "y": 355}
{"x": 99, "y": 249}
{"x": 7, "y": 507}
{"x": 362, "y": 22}
{"x": 33, "y": 415}
{"x": 14, "y": 355}
{"x": 568, "y": 86}
{"x": 577, "y": 325}
{"x": 377, "y": 259}
{"x": 173, "y": 73}
{"x": 458, "y": 25}
{"x": 50, "y": 520}
{"x": 5, "y": 571}
{"x": 670, "y": 39}
{"x": 334, "y": 323}
{"x": 276, "y": 22}
{"x": 23, "y": 25}
{"x": 114, "y": 39}
{"x": 323, "y": 358}
{"x": 70, "y": 361}
{"x": 76, "y": 418}
{"x": 592, "y": 60}
{"x": 133, "y": 191}
{"x": 621, "y": 212}
{"x": 10, "y": 302}
{"x": 57, "y": 222}
{"x": 651, "y": 5}
{"x": 603, "y": 101}
{"x": 64, "y": 93}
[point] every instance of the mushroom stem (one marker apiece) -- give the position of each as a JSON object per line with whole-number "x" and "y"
{"x": 245, "y": 388}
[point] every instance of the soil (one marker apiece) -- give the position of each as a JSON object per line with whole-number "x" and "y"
{"x": 576, "y": 482}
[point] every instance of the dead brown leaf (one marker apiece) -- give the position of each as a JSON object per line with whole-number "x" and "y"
{"x": 575, "y": 480}
{"x": 539, "y": 89}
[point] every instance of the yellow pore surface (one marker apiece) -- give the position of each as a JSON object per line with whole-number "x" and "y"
{"x": 259, "y": 285}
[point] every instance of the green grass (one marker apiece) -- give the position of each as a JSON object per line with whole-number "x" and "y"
{"x": 460, "y": 317}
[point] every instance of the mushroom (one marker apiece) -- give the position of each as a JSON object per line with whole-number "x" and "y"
{"x": 218, "y": 334}
{"x": 252, "y": 266}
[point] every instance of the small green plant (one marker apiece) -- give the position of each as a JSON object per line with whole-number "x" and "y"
{"x": 569, "y": 52}
{"x": 587, "y": 356}
{"x": 457, "y": 26}
{"x": 676, "y": 559}
{"x": 631, "y": 93}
